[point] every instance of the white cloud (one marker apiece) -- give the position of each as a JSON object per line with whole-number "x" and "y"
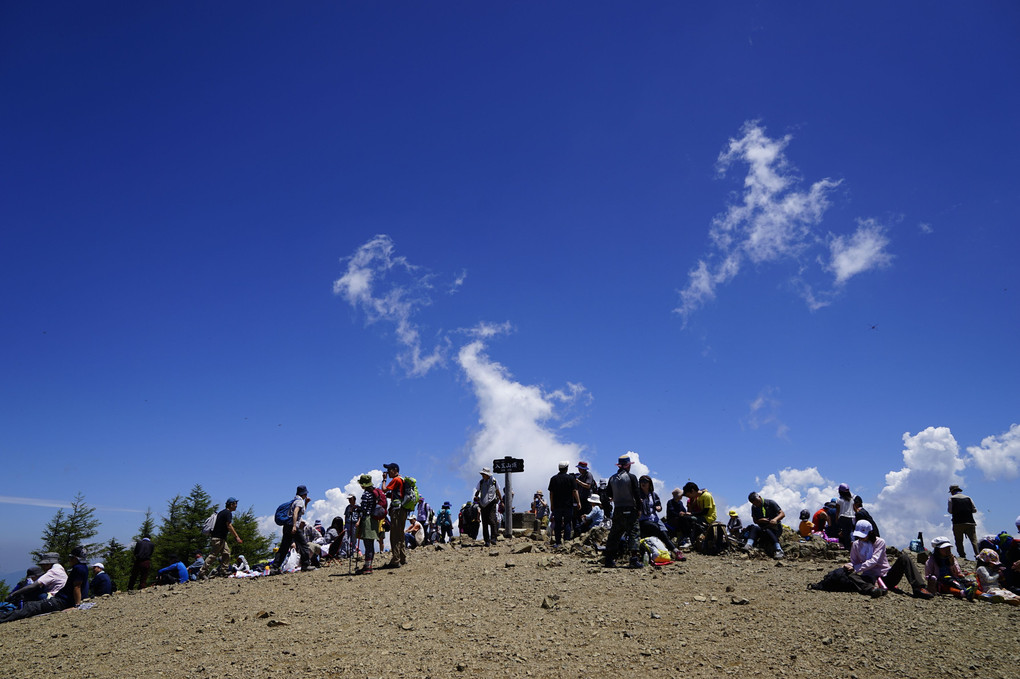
{"x": 998, "y": 456}
{"x": 925, "y": 228}
{"x": 862, "y": 251}
{"x": 793, "y": 490}
{"x": 774, "y": 220}
{"x": 915, "y": 497}
{"x": 764, "y": 411}
{"x": 516, "y": 420}
{"x": 367, "y": 271}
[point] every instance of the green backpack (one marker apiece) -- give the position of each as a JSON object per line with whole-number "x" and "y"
{"x": 410, "y": 493}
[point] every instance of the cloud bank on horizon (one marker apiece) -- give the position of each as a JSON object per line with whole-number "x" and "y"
{"x": 775, "y": 221}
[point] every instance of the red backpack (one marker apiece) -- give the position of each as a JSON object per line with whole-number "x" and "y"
{"x": 380, "y": 503}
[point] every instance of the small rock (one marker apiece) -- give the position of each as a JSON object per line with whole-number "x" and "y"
{"x": 521, "y": 549}
{"x": 627, "y": 635}
{"x": 827, "y": 641}
{"x": 700, "y": 598}
{"x": 729, "y": 588}
{"x": 739, "y": 601}
{"x": 656, "y": 616}
{"x": 179, "y": 648}
{"x": 407, "y": 626}
{"x": 461, "y": 667}
{"x": 263, "y": 614}
{"x": 277, "y": 623}
{"x": 439, "y": 548}
{"x": 509, "y": 564}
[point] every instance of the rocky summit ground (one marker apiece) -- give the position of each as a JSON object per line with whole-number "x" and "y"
{"x": 470, "y": 611}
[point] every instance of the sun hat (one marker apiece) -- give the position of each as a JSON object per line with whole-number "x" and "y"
{"x": 486, "y": 471}
{"x": 301, "y": 490}
{"x": 862, "y": 529}
{"x": 80, "y": 554}
{"x": 365, "y": 480}
{"x": 623, "y": 461}
{"x": 733, "y": 512}
{"x": 49, "y": 559}
{"x": 582, "y": 465}
{"x": 955, "y": 489}
{"x": 595, "y": 500}
{"x": 989, "y": 556}
{"x": 564, "y": 464}
{"x": 940, "y": 542}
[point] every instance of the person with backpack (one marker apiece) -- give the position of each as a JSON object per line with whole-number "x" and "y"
{"x": 444, "y": 521}
{"x": 624, "y": 491}
{"x": 395, "y": 492}
{"x": 220, "y": 559}
{"x": 366, "y": 520}
{"x": 469, "y": 520}
{"x": 487, "y": 496}
{"x": 288, "y": 515}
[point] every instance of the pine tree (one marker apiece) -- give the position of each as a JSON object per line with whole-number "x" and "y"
{"x": 148, "y": 527}
{"x": 180, "y": 534}
{"x": 64, "y": 532}
{"x": 117, "y": 562}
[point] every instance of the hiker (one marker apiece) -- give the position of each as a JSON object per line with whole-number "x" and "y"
{"x": 735, "y": 527}
{"x": 317, "y": 527}
{"x": 563, "y": 497}
{"x": 335, "y": 535}
{"x": 820, "y": 519}
{"x": 444, "y": 520}
{"x": 766, "y": 526}
{"x": 292, "y": 534}
{"x": 414, "y": 535}
{"x": 469, "y": 520}
{"x": 176, "y": 572}
{"x": 845, "y": 518}
{"x": 142, "y": 562}
{"x": 585, "y": 486}
{"x": 943, "y": 574}
{"x": 487, "y": 496}
{"x": 625, "y": 493}
{"x": 74, "y": 589}
{"x": 197, "y": 565}
{"x": 101, "y": 583}
{"x": 422, "y": 511}
{"x": 675, "y": 509}
{"x": 962, "y": 509}
{"x": 540, "y": 508}
{"x": 807, "y": 526}
{"x": 351, "y": 520}
{"x": 240, "y": 565}
{"x": 862, "y": 514}
{"x": 366, "y": 525}
{"x": 594, "y": 518}
{"x": 314, "y": 541}
{"x": 649, "y": 523}
{"x": 701, "y": 512}
{"x": 869, "y": 564}
{"x": 989, "y": 574}
{"x": 398, "y": 515}
{"x": 50, "y": 579}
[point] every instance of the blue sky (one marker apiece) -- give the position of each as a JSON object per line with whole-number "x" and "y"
{"x": 762, "y": 247}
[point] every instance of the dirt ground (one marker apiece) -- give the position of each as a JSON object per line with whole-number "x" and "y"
{"x": 470, "y": 611}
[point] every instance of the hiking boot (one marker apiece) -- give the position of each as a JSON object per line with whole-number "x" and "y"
{"x": 609, "y": 563}
{"x": 877, "y": 592}
{"x": 635, "y": 563}
{"x": 896, "y": 590}
{"x": 779, "y": 554}
{"x": 923, "y": 594}
{"x": 684, "y": 544}
{"x": 679, "y": 556}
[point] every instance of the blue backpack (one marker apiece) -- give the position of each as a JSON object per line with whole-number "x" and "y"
{"x": 283, "y": 514}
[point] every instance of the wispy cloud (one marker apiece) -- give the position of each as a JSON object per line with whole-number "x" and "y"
{"x": 998, "y": 456}
{"x": 925, "y": 228}
{"x": 515, "y": 419}
{"x": 764, "y": 412}
{"x": 862, "y": 251}
{"x": 59, "y": 504}
{"x": 388, "y": 288}
{"x": 775, "y": 219}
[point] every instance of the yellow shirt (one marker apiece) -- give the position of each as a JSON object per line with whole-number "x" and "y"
{"x": 705, "y": 506}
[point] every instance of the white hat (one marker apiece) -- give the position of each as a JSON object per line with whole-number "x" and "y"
{"x": 940, "y": 542}
{"x": 486, "y": 471}
{"x": 564, "y": 464}
{"x": 98, "y": 565}
{"x": 862, "y": 529}
{"x": 595, "y": 500}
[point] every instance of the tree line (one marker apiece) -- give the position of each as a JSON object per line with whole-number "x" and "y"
{"x": 179, "y": 534}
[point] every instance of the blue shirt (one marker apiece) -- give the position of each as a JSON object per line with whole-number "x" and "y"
{"x": 101, "y": 584}
{"x": 182, "y": 571}
{"x": 78, "y": 575}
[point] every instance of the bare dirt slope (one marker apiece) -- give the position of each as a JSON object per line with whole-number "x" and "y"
{"x": 475, "y": 612}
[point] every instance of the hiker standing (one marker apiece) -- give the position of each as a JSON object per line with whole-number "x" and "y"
{"x": 143, "y": 561}
{"x": 488, "y": 496}
{"x": 624, "y": 491}
{"x": 445, "y": 523}
{"x": 398, "y": 516}
{"x": 962, "y": 508}
{"x": 585, "y": 486}
{"x": 292, "y": 534}
{"x": 366, "y": 525}
{"x": 424, "y": 514}
{"x": 220, "y": 556}
{"x": 563, "y": 497}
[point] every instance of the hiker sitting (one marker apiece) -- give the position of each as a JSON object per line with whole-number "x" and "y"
{"x": 176, "y": 572}
{"x": 196, "y": 567}
{"x": 735, "y": 527}
{"x": 240, "y": 565}
{"x": 649, "y": 523}
{"x": 869, "y": 564}
{"x": 989, "y": 574}
{"x": 807, "y": 526}
{"x": 334, "y": 536}
{"x": 675, "y": 508}
{"x": 943, "y": 573}
{"x": 593, "y": 518}
{"x": 101, "y": 583}
{"x": 414, "y": 534}
{"x": 41, "y": 582}
{"x": 766, "y": 526}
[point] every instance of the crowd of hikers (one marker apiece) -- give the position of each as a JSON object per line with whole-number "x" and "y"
{"x": 618, "y": 517}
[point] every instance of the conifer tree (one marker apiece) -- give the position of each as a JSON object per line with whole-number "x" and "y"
{"x": 180, "y": 534}
{"x": 117, "y": 561}
{"x": 256, "y": 545}
{"x": 65, "y": 531}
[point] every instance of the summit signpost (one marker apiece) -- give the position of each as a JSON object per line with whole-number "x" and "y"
{"x": 508, "y": 465}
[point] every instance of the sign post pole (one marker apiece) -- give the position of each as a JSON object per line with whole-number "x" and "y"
{"x": 508, "y": 465}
